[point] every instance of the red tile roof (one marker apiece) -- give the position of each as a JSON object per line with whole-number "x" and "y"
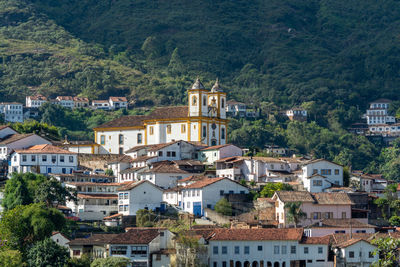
{"x": 294, "y": 196}
{"x": 257, "y": 234}
{"x": 118, "y": 99}
{"x": 316, "y": 240}
{"x": 38, "y": 97}
{"x": 136, "y": 236}
{"x": 205, "y": 182}
{"x": 215, "y": 147}
{"x": 138, "y": 120}
{"x": 13, "y": 138}
{"x": 95, "y": 239}
{"x": 333, "y": 198}
{"x": 81, "y": 99}
{"x": 130, "y": 185}
{"x": 43, "y": 149}
{"x": 64, "y": 98}
{"x": 165, "y": 167}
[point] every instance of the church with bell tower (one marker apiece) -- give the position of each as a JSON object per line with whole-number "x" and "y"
{"x": 203, "y": 120}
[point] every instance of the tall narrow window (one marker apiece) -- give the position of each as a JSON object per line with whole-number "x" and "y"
{"x": 222, "y": 133}
{"x": 204, "y": 131}
{"x": 204, "y": 100}
{"x": 194, "y": 100}
{"x": 121, "y": 139}
{"x": 139, "y": 138}
{"x": 168, "y": 129}
{"x": 151, "y": 130}
{"x": 222, "y": 103}
{"x": 102, "y": 140}
{"x": 183, "y": 128}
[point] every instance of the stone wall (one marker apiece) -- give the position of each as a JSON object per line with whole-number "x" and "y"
{"x": 216, "y": 217}
{"x": 91, "y": 161}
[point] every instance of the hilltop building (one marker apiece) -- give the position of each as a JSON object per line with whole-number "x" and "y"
{"x": 378, "y": 112}
{"x": 202, "y": 120}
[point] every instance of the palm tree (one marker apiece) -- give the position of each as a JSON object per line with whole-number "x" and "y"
{"x": 294, "y": 213}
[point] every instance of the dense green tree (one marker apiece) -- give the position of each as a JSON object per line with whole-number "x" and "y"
{"x": 387, "y": 251}
{"x": 25, "y": 225}
{"x": 270, "y": 188}
{"x": 176, "y": 65}
{"x": 16, "y": 192}
{"x": 145, "y": 218}
{"x": 27, "y": 188}
{"x": 46, "y": 253}
{"x": 110, "y": 262}
{"x": 11, "y": 258}
{"x": 223, "y": 207}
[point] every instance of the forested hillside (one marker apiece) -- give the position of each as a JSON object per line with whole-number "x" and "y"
{"x": 339, "y": 54}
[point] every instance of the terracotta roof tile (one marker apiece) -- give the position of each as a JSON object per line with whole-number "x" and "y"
{"x": 95, "y": 239}
{"x": 333, "y": 198}
{"x": 295, "y": 196}
{"x": 81, "y": 99}
{"x": 204, "y": 182}
{"x": 169, "y": 113}
{"x": 43, "y": 149}
{"x": 38, "y": 97}
{"x": 165, "y": 167}
{"x": 143, "y": 158}
{"x": 59, "y": 98}
{"x": 131, "y": 170}
{"x": 136, "y": 236}
{"x": 340, "y": 223}
{"x": 215, "y": 147}
{"x": 13, "y": 138}
{"x": 257, "y": 234}
{"x": 118, "y": 99}
{"x": 130, "y": 185}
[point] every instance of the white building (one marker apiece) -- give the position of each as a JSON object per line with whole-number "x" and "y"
{"x": 14, "y": 141}
{"x": 43, "y": 159}
{"x": 258, "y": 169}
{"x": 95, "y": 200}
{"x": 139, "y": 244}
{"x": 355, "y": 252}
{"x": 35, "y": 101}
{"x": 213, "y": 153}
{"x": 135, "y": 196}
{"x": 81, "y": 102}
{"x": 65, "y": 101}
{"x": 164, "y": 174}
{"x": 101, "y": 104}
{"x": 297, "y": 114}
{"x": 12, "y": 111}
{"x": 318, "y": 175}
{"x": 203, "y": 120}
{"x": 60, "y": 239}
{"x": 234, "y": 108}
{"x": 203, "y": 193}
{"x": 378, "y": 112}
{"x": 267, "y": 247}
{"x": 117, "y": 102}
{"x": 315, "y": 206}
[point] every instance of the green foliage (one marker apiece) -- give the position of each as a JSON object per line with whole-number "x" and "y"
{"x": 11, "y": 258}
{"x": 25, "y": 225}
{"x": 84, "y": 261}
{"x": 46, "y": 253}
{"x": 270, "y": 188}
{"x": 387, "y": 251}
{"x": 27, "y": 188}
{"x": 223, "y": 207}
{"x": 394, "y": 220}
{"x": 110, "y": 262}
{"x": 294, "y": 213}
{"x": 145, "y": 218}
{"x": 109, "y": 172}
{"x": 32, "y": 126}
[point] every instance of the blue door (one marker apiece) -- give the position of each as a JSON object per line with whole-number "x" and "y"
{"x": 197, "y": 208}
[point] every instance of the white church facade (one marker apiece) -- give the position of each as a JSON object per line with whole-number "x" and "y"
{"x": 203, "y": 120}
